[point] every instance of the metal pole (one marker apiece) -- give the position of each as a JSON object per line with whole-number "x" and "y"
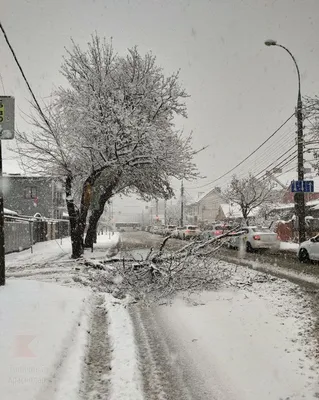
{"x": 299, "y": 197}
{"x": 2, "y": 244}
{"x": 182, "y": 204}
{"x": 165, "y": 213}
{"x": 31, "y": 235}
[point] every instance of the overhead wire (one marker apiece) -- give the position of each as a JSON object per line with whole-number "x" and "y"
{"x": 24, "y": 77}
{"x": 249, "y": 155}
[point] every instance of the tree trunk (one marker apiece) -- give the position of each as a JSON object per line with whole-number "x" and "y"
{"x": 78, "y": 217}
{"x": 76, "y": 240}
{"x": 95, "y": 216}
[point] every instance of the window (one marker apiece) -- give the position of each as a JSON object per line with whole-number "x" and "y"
{"x": 30, "y": 192}
{"x": 261, "y": 229}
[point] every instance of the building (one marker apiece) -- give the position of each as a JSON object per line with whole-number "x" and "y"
{"x": 205, "y": 209}
{"x": 28, "y": 195}
{"x": 229, "y": 212}
{"x": 232, "y": 213}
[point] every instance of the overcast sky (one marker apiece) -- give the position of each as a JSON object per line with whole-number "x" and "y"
{"x": 241, "y": 90}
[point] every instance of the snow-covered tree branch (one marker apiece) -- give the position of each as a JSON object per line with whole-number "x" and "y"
{"x": 111, "y": 131}
{"x": 249, "y": 193}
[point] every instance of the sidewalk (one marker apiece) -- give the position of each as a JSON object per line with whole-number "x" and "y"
{"x": 46, "y": 329}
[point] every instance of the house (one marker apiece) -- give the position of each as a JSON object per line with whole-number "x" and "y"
{"x": 28, "y": 195}
{"x": 205, "y": 209}
{"x": 232, "y": 212}
{"x": 228, "y": 212}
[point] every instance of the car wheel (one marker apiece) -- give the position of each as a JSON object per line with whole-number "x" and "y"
{"x": 303, "y": 256}
{"x": 249, "y": 248}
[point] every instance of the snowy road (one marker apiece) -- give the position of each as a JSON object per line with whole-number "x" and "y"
{"x": 253, "y": 338}
{"x": 228, "y": 346}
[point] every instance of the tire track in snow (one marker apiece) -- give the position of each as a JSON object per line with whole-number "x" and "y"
{"x": 57, "y": 272}
{"x": 96, "y": 373}
{"x": 162, "y": 377}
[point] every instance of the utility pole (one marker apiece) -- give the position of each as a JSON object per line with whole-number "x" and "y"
{"x": 182, "y": 204}
{"x": 151, "y": 221}
{"x": 299, "y": 197}
{"x": 2, "y": 244}
{"x": 165, "y": 216}
{"x": 156, "y": 210}
{"x": 6, "y": 132}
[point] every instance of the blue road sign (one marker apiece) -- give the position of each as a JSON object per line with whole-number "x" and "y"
{"x": 302, "y": 186}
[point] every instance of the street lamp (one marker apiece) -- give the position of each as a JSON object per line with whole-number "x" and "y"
{"x": 299, "y": 197}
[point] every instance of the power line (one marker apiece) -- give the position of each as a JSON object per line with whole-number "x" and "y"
{"x": 282, "y": 155}
{"x": 24, "y": 77}
{"x": 246, "y": 158}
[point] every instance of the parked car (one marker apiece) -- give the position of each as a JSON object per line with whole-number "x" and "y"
{"x": 189, "y": 232}
{"x": 161, "y": 230}
{"x": 309, "y": 250}
{"x": 215, "y": 230}
{"x": 254, "y": 238}
{"x": 176, "y": 232}
{"x": 169, "y": 229}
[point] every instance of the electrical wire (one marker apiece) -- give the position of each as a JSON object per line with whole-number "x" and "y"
{"x": 246, "y": 158}
{"x": 24, "y": 77}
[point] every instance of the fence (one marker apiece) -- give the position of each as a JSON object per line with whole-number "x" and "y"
{"x": 20, "y": 234}
{"x": 17, "y": 236}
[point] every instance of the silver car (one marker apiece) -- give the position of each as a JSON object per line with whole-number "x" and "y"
{"x": 254, "y": 238}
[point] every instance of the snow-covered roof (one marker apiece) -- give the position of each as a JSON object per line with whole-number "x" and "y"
{"x": 283, "y": 206}
{"x": 312, "y": 202}
{"x": 9, "y": 212}
{"x": 214, "y": 190}
{"x": 234, "y": 211}
{"x": 286, "y": 206}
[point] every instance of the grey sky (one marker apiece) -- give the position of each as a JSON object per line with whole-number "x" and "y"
{"x": 241, "y": 91}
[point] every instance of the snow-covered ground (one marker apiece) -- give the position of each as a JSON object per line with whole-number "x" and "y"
{"x": 45, "y": 327}
{"x": 245, "y": 345}
{"x": 250, "y": 339}
{"x": 42, "y": 340}
{"x": 289, "y": 246}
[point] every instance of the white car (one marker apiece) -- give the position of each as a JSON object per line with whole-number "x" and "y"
{"x": 188, "y": 232}
{"x": 176, "y": 232}
{"x": 309, "y": 250}
{"x": 254, "y": 238}
{"x": 168, "y": 230}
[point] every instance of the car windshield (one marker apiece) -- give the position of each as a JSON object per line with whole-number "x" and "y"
{"x": 261, "y": 229}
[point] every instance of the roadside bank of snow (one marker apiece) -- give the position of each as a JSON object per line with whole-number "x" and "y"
{"x": 126, "y": 381}
{"x": 42, "y": 340}
{"x": 274, "y": 269}
{"x": 289, "y": 246}
{"x": 50, "y": 250}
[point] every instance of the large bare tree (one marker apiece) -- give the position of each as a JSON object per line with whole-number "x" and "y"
{"x": 249, "y": 193}
{"x": 110, "y": 131}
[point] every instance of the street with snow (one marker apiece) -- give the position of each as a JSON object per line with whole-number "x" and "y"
{"x": 69, "y": 330}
